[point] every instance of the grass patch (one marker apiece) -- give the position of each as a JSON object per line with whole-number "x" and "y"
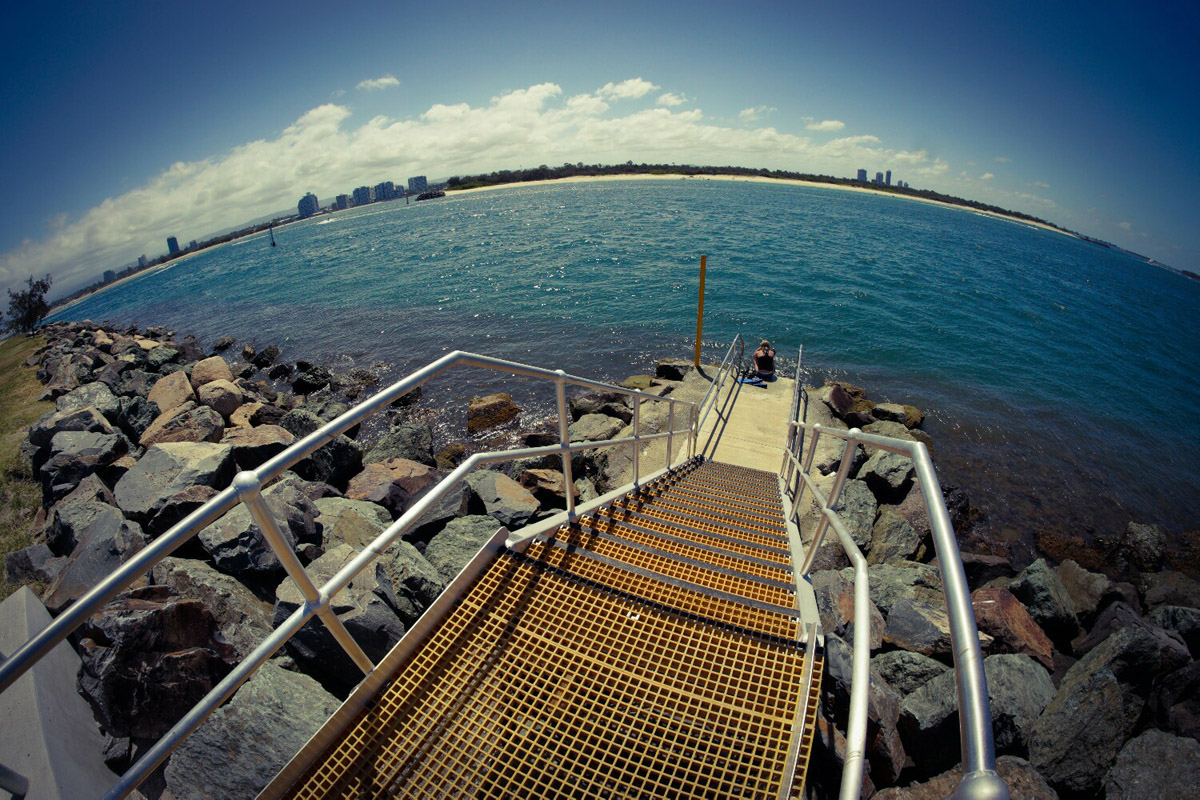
{"x": 20, "y": 494}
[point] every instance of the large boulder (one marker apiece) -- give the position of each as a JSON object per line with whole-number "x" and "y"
{"x": 171, "y": 390}
{"x": 253, "y": 446}
{"x": 243, "y": 620}
{"x": 149, "y": 656}
{"x": 90, "y": 395}
{"x": 499, "y": 496}
{"x": 1155, "y": 764}
{"x": 1047, "y": 601}
{"x": 1023, "y": 782}
{"x": 1177, "y": 701}
{"x": 889, "y": 475}
{"x": 395, "y": 484}
{"x": 71, "y": 515}
{"x": 35, "y": 563}
{"x": 593, "y": 403}
{"x": 237, "y": 546}
{"x": 1169, "y": 587}
{"x": 107, "y": 542}
{"x": 210, "y": 369}
{"x": 458, "y": 542}
{"x": 311, "y": 379}
{"x": 348, "y": 521}
{"x": 244, "y": 743}
{"x": 906, "y": 415}
{"x": 999, "y": 614}
{"x": 848, "y": 403}
{"x": 359, "y": 606}
{"x": 224, "y": 397}
{"x": 335, "y": 463}
{"x": 166, "y": 470}
{"x": 594, "y": 428}
{"x": 885, "y": 752}
{"x": 1140, "y": 549}
{"x": 184, "y": 423}
{"x": 407, "y": 581}
{"x": 835, "y": 603}
{"x": 266, "y": 357}
{"x": 73, "y": 456}
{"x": 548, "y": 486}
{"x": 857, "y": 507}
{"x": 490, "y": 411}
{"x": 136, "y": 414}
{"x": 906, "y": 672}
{"x": 1087, "y": 590}
{"x": 83, "y": 420}
{"x": 894, "y": 539}
{"x": 1182, "y": 620}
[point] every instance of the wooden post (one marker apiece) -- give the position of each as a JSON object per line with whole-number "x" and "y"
{"x": 700, "y": 314}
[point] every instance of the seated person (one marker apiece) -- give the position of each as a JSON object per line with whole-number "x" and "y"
{"x": 764, "y": 361}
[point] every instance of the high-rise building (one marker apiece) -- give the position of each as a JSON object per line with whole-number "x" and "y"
{"x": 878, "y": 178}
{"x": 385, "y": 190}
{"x": 362, "y": 196}
{"x": 342, "y": 202}
{"x": 192, "y": 244}
{"x": 862, "y": 175}
{"x": 417, "y": 185}
{"x": 308, "y": 205}
{"x": 172, "y": 245}
{"x": 888, "y": 179}
{"x": 110, "y": 275}
{"x": 141, "y": 261}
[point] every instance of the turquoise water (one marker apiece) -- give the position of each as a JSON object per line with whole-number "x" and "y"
{"x": 1058, "y": 375}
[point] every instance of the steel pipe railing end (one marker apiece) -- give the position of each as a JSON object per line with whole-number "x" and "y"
{"x": 983, "y": 785}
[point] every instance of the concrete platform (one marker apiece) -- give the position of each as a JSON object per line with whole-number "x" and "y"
{"x": 754, "y": 426}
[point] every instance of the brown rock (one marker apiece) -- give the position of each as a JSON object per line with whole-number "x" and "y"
{"x": 171, "y": 391}
{"x": 999, "y": 614}
{"x": 253, "y": 446}
{"x": 490, "y": 411}
{"x": 184, "y": 423}
{"x": 221, "y": 396}
{"x": 243, "y": 417}
{"x": 1023, "y": 783}
{"x": 1087, "y": 589}
{"x": 547, "y": 486}
{"x": 210, "y": 369}
{"x": 393, "y": 484}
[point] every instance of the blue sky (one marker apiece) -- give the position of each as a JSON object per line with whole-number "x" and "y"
{"x": 128, "y": 122}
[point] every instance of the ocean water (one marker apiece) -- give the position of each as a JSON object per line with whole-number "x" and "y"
{"x": 1059, "y": 377}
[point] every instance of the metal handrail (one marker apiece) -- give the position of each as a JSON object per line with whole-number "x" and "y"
{"x": 247, "y": 486}
{"x": 980, "y": 781}
{"x": 713, "y": 393}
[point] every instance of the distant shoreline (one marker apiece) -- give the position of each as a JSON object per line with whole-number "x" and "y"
{"x": 759, "y": 179}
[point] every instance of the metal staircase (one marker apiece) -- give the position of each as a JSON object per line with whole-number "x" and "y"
{"x": 650, "y": 648}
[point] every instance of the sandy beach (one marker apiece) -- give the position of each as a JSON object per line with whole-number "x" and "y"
{"x": 759, "y": 179}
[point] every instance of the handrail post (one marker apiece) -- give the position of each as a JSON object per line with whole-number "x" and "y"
{"x": 695, "y": 415}
{"x": 637, "y": 418}
{"x": 560, "y": 392}
{"x": 670, "y": 433}
{"x": 249, "y": 490}
{"x": 834, "y": 493}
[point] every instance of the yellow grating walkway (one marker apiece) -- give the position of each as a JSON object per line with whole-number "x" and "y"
{"x": 589, "y": 667}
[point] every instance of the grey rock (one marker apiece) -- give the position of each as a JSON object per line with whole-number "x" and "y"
{"x": 906, "y": 672}
{"x": 594, "y": 427}
{"x": 499, "y": 496}
{"x": 73, "y": 456}
{"x": 1113, "y": 618}
{"x": 1155, "y": 764}
{"x": 266, "y": 357}
{"x": 1176, "y": 702}
{"x": 673, "y": 369}
{"x": 335, "y": 463}
{"x": 70, "y": 516}
{"x": 1047, "y": 600}
{"x": 270, "y": 718}
{"x": 829, "y": 460}
{"x": 885, "y": 750}
{"x": 242, "y": 619}
{"x": 136, "y": 414}
{"x": 1086, "y": 589}
{"x": 353, "y": 522}
{"x": 894, "y": 539}
{"x": 311, "y": 379}
{"x": 88, "y": 420}
{"x": 107, "y": 542}
{"x": 1141, "y": 548}
{"x": 407, "y": 581}
{"x": 236, "y": 543}
{"x": 892, "y": 582}
{"x": 178, "y": 506}
{"x": 591, "y": 403}
{"x": 1023, "y": 783}
{"x": 920, "y": 627}
{"x": 1169, "y": 588}
{"x": 457, "y": 543}
{"x": 136, "y": 382}
{"x": 33, "y": 563}
{"x": 160, "y": 357}
{"x": 889, "y": 475}
{"x": 411, "y": 440}
{"x": 857, "y": 507}
{"x": 184, "y": 423}
{"x": 1182, "y": 620}
{"x": 167, "y": 469}
{"x": 90, "y": 395}
{"x": 835, "y": 603}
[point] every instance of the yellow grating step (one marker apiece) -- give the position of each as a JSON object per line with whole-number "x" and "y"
{"x": 693, "y": 517}
{"x": 690, "y": 494}
{"x": 735, "y": 488}
{"x": 674, "y": 520}
{"x": 714, "y": 511}
{"x": 539, "y": 684}
{"x": 743, "y": 474}
{"x": 729, "y": 544}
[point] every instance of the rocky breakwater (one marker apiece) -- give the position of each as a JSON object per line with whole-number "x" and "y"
{"x": 1093, "y": 678}
{"x": 147, "y": 427}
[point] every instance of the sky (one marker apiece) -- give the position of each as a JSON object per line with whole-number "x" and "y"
{"x": 127, "y": 122}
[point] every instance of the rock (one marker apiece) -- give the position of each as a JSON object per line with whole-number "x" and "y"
{"x": 1018, "y": 690}
{"x": 35, "y": 563}
{"x": 1140, "y": 548}
{"x": 407, "y": 581}
{"x": 243, "y": 417}
{"x": 1023, "y": 783}
{"x": 372, "y": 623}
{"x": 280, "y": 372}
{"x": 236, "y": 543}
{"x": 395, "y": 484}
{"x": 849, "y": 403}
{"x": 922, "y": 628}
{"x": 1169, "y": 588}
{"x": 176, "y": 507}
{"x": 184, "y": 423}
{"x": 357, "y": 381}
{"x": 107, "y": 542}
{"x": 893, "y": 582}
{"x": 592, "y": 403}
{"x": 171, "y": 391}
{"x": 499, "y": 496}
{"x": 1086, "y": 589}
{"x": 1176, "y": 703}
{"x": 889, "y": 475}
{"x": 224, "y": 343}
{"x": 548, "y": 487}
{"x": 136, "y": 382}
{"x": 893, "y": 539}
{"x": 311, "y": 379}
{"x": 490, "y": 411}
{"x": 335, "y": 463}
{"x": 71, "y": 515}
{"x": 1155, "y": 764}
{"x": 1183, "y": 621}
{"x": 1047, "y": 601}
{"x": 594, "y": 428}
{"x": 457, "y": 543}
{"x": 410, "y": 440}
{"x": 835, "y": 602}
{"x": 908, "y": 416}
{"x": 857, "y": 507}
{"x": 73, "y": 456}
{"x": 452, "y": 455}
{"x": 148, "y": 657}
{"x": 190, "y": 350}
{"x": 640, "y": 382}
{"x": 111, "y": 375}
{"x": 906, "y": 672}
{"x": 265, "y": 357}
{"x": 1000, "y": 615}
{"x": 242, "y": 619}
{"x": 672, "y": 369}
{"x": 248, "y": 353}
{"x": 1113, "y": 618}
{"x": 270, "y": 718}
{"x": 90, "y": 395}
{"x": 136, "y": 415}
{"x": 221, "y": 396}
{"x": 161, "y": 356}
{"x": 885, "y": 751}
{"x": 83, "y": 420}
{"x": 897, "y": 430}
{"x": 210, "y": 369}
{"x": 982, "y": 568}
{"x": 253, "y": 446}
{"x": 348, "y": 521}
{"x": 167, "y": 469}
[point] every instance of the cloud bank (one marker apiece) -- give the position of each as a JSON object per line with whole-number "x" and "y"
{"x": 375, "y": 84}
{"x": 326, "y": 152}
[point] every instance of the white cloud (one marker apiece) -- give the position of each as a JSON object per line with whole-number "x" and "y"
{"x": 987, "y": 176}
{"x": 1125, "y": 226}
{"x": 671, "y": 99}
{"x": 375, "y": 84}
{"x": 1003, "y": 160}
{"x": 626, "y": 90}
{"x": 1040, "y": 185}
{"x": 326, "y": 152}
{"x": 829, "y": 125}
{"x": 755, "y": 113}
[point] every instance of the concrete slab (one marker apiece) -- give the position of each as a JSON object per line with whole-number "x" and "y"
{"x": 754, "y": 428}
{"x": 48, "y": 734}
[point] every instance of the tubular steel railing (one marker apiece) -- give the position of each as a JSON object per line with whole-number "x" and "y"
{"x": 980, "y": 780}
{"x": 247, "y": 487}
{"x": 730, "y": 366}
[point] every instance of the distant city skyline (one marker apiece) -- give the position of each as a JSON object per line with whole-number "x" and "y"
{"x": 1069, "y": 112}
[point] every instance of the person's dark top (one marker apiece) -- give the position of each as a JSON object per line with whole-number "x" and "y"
{"x": 764, "y": 360}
